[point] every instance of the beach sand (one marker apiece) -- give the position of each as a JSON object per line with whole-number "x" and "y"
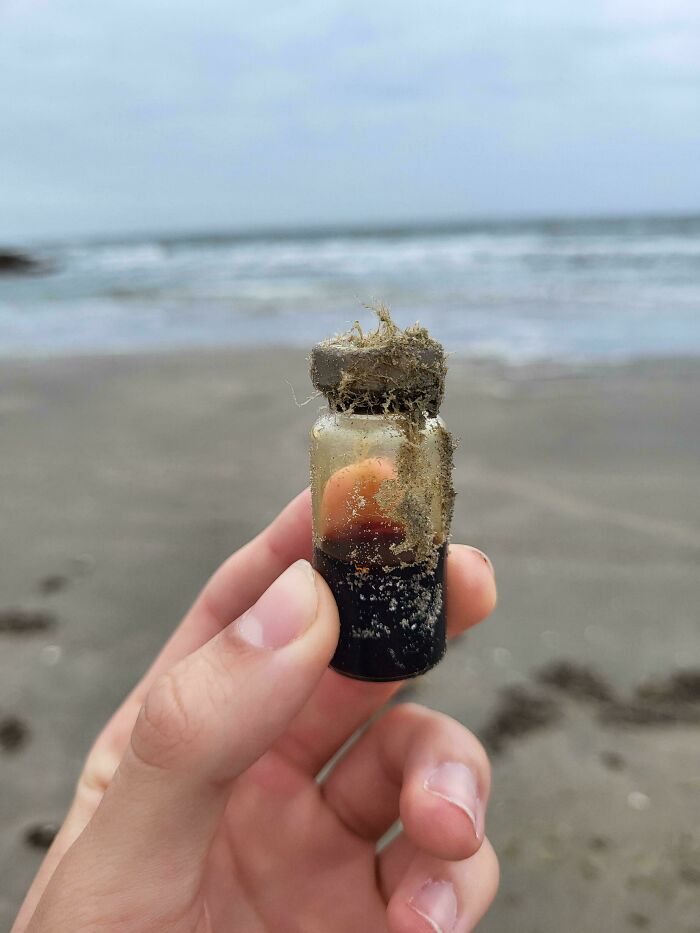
{"x": 126, "y": 480}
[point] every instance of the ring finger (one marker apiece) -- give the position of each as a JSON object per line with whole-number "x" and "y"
{"x": 444, "y": 897}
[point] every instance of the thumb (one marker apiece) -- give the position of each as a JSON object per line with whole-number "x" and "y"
{"x": 216, "y": 712}
{"x": 203, "y": 723}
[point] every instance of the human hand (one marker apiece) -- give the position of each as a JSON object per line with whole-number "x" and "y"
{"x": 198, "y": 810}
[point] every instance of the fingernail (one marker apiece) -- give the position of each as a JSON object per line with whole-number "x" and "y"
{"x": 457, "y": 783}
{"x": 283, "y": 612}
{"x": 486, "y": 559}
{"x": 436, "y": 902}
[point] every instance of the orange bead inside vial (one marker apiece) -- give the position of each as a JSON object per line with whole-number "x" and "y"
{"x": 349, "y": 506}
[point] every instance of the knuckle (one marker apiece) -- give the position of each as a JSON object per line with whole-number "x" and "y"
{"x": 349, "y": 813}
{"x": 434, "y": 727}
{"x": 404, "y": 714}
{"x": 477, "y": 754}
{"x": 470, "y": 748}
{"x": 166, "y": 725}
{"x": 474, "y": 752}
{"x": 98, "y": 771}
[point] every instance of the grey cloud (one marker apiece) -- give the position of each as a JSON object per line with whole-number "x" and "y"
{"x": 129, "y": 115}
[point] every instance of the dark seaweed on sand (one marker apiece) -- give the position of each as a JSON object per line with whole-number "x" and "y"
{"x": 518, "y": 713}
{"x": 670, "y": 701}
{"x": 13, "y": 734}
{"x": 575, "y": 680}
{"x": 54, "y": 583}
{"x": 41, "y": 835}
{"x": 21, "y": 621}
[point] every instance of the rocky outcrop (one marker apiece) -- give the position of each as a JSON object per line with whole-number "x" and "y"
{"x": 14, "y": 262}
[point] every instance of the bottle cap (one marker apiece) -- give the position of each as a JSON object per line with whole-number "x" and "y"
{"x": 387, "y": 370}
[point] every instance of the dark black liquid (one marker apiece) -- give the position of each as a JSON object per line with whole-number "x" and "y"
{"x": 392, "y": 620}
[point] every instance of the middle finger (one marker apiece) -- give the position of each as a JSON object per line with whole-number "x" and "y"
{"x": 423, "y": 767}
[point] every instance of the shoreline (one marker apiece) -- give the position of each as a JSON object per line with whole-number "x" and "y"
{"x": 554, "y": 364}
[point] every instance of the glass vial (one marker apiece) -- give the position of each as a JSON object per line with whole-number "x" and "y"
{"x": 381, "y": 462}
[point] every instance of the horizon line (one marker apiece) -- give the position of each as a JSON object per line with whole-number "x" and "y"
{"x": 355, "y": 228}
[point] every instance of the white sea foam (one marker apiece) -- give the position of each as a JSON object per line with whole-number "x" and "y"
{"x": 569, "y": 290}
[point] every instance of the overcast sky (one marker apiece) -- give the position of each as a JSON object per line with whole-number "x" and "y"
{"x": 172, "y": 115}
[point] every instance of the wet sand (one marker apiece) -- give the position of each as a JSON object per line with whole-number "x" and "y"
{"x": 126, "y": 480}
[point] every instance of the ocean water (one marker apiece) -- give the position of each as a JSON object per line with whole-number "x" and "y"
{"x": 568, "y": 290}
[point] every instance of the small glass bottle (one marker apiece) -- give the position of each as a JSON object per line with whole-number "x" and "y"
{"x": 381, "y": 465}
